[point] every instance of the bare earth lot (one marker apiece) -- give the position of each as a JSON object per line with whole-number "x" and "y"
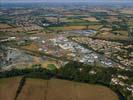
{"x": 4, "y": 26}
{"x": 91, "y": 19}
{"x": 54, "y": 89}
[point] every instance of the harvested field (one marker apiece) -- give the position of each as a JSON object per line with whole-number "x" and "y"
{"x": 74, "y": 27}
{"x": 34, "y": 90}
{"x": 68, "y": 28}
{"x": 8, "y": 88}
{"x": 122, "y": 33}
{"x": 94, "y": 92}
{"x": 127, "y": 11}
{"x": 112, "y": 19}
{"x": 106, "y": 29}
{"x": 4, "y": 26}
{"x": 22, "y": 29}
{"x": 31, "y": 47}
{"x": 91, "y": 19}
{"x": 17, "y": 29}
{"x": 93, "y": 27}
{"x": 54, "y": 89}
{"x": 61, "y": 90}
{"x": 111, "y": 36}
{"x": 54, "y": 19}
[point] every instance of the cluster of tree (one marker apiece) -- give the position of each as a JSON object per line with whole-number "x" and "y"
{"x": 119, "y": 26}
{"x": 100, "y": 15}
{"x": 86, "y": 73}
{"x": 33, "y": 73}
{"x": 72, "y": 71}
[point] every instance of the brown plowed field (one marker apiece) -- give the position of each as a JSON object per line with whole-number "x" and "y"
{"x": 54, "y": 89}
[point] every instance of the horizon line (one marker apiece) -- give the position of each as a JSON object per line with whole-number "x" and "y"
{"x": 66, "y": 2}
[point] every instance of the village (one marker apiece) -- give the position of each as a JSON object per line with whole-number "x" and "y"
{"x": 113, "y": 50}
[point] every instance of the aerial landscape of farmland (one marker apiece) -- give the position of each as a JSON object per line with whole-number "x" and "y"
{"x": 66, "y": 50}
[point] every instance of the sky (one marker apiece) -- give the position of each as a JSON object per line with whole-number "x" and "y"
{"x": 66, "y": 0}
